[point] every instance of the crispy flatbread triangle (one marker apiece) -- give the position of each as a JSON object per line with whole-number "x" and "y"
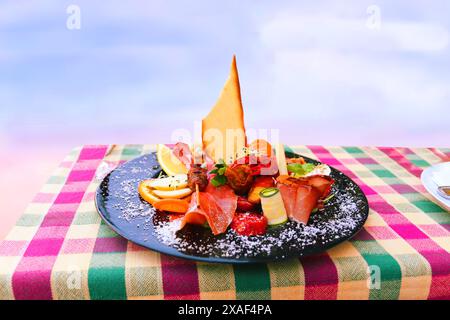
{"x": 223, "y": 131}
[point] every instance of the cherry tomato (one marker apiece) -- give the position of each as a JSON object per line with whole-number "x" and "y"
{"x": 261, "y": 147}
{"x": 243, "y": 205}
{"x": 249, "y": 224}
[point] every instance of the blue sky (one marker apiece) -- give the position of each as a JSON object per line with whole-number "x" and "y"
{"x": 137, "y": 70}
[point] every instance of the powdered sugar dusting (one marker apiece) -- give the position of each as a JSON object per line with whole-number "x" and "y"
{"x": 324, "y": 229}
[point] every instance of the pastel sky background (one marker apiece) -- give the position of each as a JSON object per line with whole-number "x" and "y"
{"x": 322, "y": 72}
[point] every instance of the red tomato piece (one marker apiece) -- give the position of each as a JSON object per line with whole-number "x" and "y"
{"x": 249, "y": 224}
{"x": 243, "y": 205}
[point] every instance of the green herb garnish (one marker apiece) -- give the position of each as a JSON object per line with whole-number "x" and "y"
{"x": 300, "y": 169}
{"x": 219, "y": 170}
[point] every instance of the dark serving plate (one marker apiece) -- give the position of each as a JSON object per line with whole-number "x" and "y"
{"x": 121, "y": 207}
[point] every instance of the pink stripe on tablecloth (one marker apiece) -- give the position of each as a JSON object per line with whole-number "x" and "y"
{"x": 32, "y": 277}
{"x": 43, "y": 197}
{"x": 12, "y": 247}
{"x": 66, "y": 164}
{"x": 444, "y": 157}
{"x": 321, "y": 277}
{"x": 437, "y": 258}
{"x": 81, "y": 175}
{"x": 395, "y": 155}
{"x": 76, "y": 186}
{"x": 180, "y": 279}
{"x": 92, "y": 153}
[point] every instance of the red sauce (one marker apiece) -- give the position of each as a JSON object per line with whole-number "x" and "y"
{"x": 249, "y": 224}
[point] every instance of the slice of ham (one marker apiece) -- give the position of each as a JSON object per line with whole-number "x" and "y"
{"x": 301, "y": 196}
{"x": 225, "y": 197}
{"x": 217, "y": 205}
{"x": 183, "y": 153}
{"x": 323, "y": 183}
{"x": 305, "y": 202}
{"x": 288, "y": 194}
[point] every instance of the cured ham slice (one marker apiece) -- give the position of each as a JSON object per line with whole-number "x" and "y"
{"x": 216, "y": 205}
{"x": 305, "y": 202}
{"x": 289, "y": 194}
{"x": 225, "y": 197}
{"x": 301, "y": 196}
{"x": 323, "y": 183}
{"x": 183, "y": 153}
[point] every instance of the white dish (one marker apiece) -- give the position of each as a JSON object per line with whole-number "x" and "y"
{"x": 435, "y": 176}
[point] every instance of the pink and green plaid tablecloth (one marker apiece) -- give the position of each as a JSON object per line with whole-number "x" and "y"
{"x": 60, "y": 248}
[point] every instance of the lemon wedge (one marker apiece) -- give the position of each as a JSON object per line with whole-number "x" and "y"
{"x": 168, "y": 162}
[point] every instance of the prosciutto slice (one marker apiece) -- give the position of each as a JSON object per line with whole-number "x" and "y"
{"x": 216, "y": 204}
{"x": 183, "y": 153}
{"x": 301, "y": 196}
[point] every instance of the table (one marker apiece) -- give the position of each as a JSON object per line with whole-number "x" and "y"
{"x": 60, "y": 248}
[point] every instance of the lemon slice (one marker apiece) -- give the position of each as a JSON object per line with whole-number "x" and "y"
{"x": 172, "y": 194}
{"x": 146, "y": 192}
{"x": 168, "y": 162}
{"x": 179, "y": 181}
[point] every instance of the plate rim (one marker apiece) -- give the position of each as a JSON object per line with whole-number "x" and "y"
{"x": 243, "y": 260}
{"x": 425, "y": 173}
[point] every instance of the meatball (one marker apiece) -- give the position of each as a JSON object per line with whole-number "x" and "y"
{"x": 239, "y": 178}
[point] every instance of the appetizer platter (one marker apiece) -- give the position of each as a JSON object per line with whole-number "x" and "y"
{"x": 226, "y": 199}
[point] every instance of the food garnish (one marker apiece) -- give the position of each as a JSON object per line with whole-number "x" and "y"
{"x": 175, "y": 182}
{"x": 249, "y": 224}
{"x": 300, "y": 170}
{"x": 169, "y": 162}
{"x": 146, "y": 193}
{"x": 219, "y": 178}
{"x": 320, "y": 169}
{"x": 172, "y": 205}
{"x": 273, "y": 206}
{"x": 172, "y": 194}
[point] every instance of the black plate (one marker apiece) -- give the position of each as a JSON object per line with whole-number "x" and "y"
{"x": 121, "y": 207}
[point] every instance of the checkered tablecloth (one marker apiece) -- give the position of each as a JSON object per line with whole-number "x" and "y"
{"x": 60, "y": 248}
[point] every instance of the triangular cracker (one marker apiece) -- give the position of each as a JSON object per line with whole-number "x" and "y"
{"x": 223, "y": 130}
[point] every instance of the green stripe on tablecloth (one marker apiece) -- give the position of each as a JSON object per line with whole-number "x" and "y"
{"x": 215, "y": 277}
{"x": 252, "y": 281}
{"x": 107, "y": 279}
{"x": 390, "y": 271}
{"x": 418, "y": 200}
{"x": 107, "y": 276}
{"x": 375, "y": 255}
{"x": 421, "y": 264}
{"x": 131, "y": 151}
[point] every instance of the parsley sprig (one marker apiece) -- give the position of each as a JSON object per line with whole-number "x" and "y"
{"x": 219, "y": 171}
{"x": 300, "y": 169}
